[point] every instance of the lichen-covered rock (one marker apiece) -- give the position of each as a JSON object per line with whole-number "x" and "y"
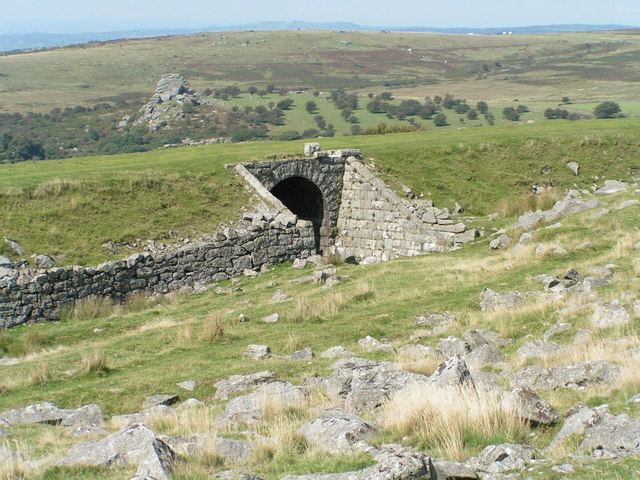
{"x": 133, "y": 445}
{"x": 538, "y": 349}
{"x": 257, "y": 352}
{"x": 371, "y": 344}
{"x": 497, "y": 459}
{"x": 250, "y": 408}
{"x": 572, "y": 375}
{"x": 610, "y": 315}
{"x": 490, "y": 300}
{"x": 48, "y": 413}
{"x": 228, "y": 387}
{"x": 452, "y": 373}
{"x": 577, "y": 423}
{"x": 500, "y": 242}
{"x": 611, "y": 186}
{"x": 527, "y": 405}
{"x": 337, "y": 431}
{"x": 161, "y": 399}
{"x": 231, "y": 450}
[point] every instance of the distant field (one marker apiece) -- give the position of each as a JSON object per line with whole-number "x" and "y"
{"x": 585, "y": 66}
{"x": 70, "y": 207}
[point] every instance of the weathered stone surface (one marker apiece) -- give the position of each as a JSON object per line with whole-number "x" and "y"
{"x": 336, "y": 352}
{"x": 452, "y": 373}
{"x": 311, "y": 148}
{"x": 141, "y": 417}
{"x": 613, "y": 436}
{"x": 417, "y": 352}
{"x": 610, "y": 315}
{"x": 44, "y": 261}
{"x": 530, "y": 407}
{"x": 503, "y": 458}
{"x": 490, "y": 300}
{"x": 570, "y": 204}
{"x": 257, "y": 352}
{"x": 572, "y": 375}
{"x": 240, "y": 383}
{"x": 500, "y": 242}
{"x": 578, "y": 422}
{"x": 133, "y": 445}
{"x": 337, "y": 431}
{"x": 235, "y": 475}
{"x": 155, "y": 400}
{"x": 231, "y": 450}
{"x": 611, "y": 186}
{"x": 574, "y": 167}
{"x": 302, "y": 354}
{"x": 438, "y": 322}
{"x": 272, "y": 318}
{"x": 371, "y": 344}
{"x": 483, "y": 355}
{"x": 50, "y": 414}
{"x": 15, "y": 246}
{"x": 538, "y": 349}
{"x": 555, "y": 330}
{"x": 448, "y": 470}
{"x": 250, "y": 408}
{"x": 362, "y": 385}
{"x": 189, "y": 385}
{"x": 451, "y": 346}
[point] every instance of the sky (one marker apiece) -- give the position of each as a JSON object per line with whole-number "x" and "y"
{"x": 68, "y": 16}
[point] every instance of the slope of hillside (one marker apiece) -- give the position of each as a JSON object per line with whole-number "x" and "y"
{"x": 79, "y": 204}
{"x": 586, "y": 65}
{"x": 118, "y": 356}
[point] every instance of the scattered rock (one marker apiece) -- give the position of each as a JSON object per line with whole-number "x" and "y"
{"x": 564, "y": 468}
{"x": 505, "y": 458}
{"x": 613, "y": 436}
{"x": 370, "y": 344}
{"x": 232, "y": 451}
{"x": 311, "y": 148}
{"x": 530, "y": 407}
{"x": 610, "y": 187}
{"x": 417, "y": 352}
{"x": 570, "y": 204}
{"x": 250, "y": 408}
{"x": 242, "y": 318}
{"x": 279, "y": 296}
{"x": 273, "y": 318}
{"x": 490, "y": 300}
{"x": 556, "y": 329}
{"x": 155, "y": 400}
{"x": 447, "y": 470}
{"x": 48, "y": 413}
{"x": 457, "y": 208}
{"x": 483, "y": 355}
{"x": 627, "y": 204}
{"x": 189, "y": 385}
{"x": 500, "y": 242}
{"x": 538, "y": 349}
{"x": 303, "y": 354}
{"x": 610, "y": 315}
{"x": 5, "y": 262}
{"x": 438, "y": 322}
{"x": 257, "y": 352}
{"x": 574, "y": 167}
{"x": 15, "y": 246}
{"x": 452, "y": 373}
{"x": 240, "y": 383}
{"x": 44, "y": 261}
{"x": 336, "y": 352}
{"x": 337, "y": 431}
{"x": 451, "y": 346}
{"x": 577, "y": 423}
{"x": 300, "y": 263}
{"x": 133, "y": 445}
{"x": 572, "y": 375}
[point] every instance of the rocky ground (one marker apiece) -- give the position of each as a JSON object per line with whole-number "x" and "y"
{"x": 538, "y": 382}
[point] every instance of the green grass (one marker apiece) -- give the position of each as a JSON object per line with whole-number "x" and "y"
{"x": 81, "y": 203}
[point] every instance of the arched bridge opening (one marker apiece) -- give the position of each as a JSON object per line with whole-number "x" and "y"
{"x": 304, "y": 198}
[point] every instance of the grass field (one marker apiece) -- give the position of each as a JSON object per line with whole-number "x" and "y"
{"x": 584, "y": 66}
{"x": 147, "y": 348}
{"x": 78, "y": 204}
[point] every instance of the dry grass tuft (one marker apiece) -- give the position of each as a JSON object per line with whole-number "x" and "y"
{"x": 214, "y": 328}
{"x": 186, "y": 421}
{"x": 40, "y": 374}
{"x": 281, "y": 439}
{"x": 308, "y": 308}
{"x": 451, "y": 422}
{"x": 424, "y": 365}
{"x": 13, "y": 468}
{"x": 90, "y": 308}
{"x": 95, "y": 363}
{"x": 527, "y": 202}
{"x": 55, "y": 187}
{"x": 294, "y": 342}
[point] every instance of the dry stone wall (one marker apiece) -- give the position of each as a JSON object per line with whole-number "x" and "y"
{"x": 375, "y": 222}
{"x": 261, "y": 238}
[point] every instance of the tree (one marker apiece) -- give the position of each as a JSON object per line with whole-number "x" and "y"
{"x": 5, "y": 140}
{"x": 252, "y": 90}
{"x": 270, "y": 89}
{"x": 472, "y": 114}
{"x": 285, "y": 104}
{"x": 482, "y": 107}
{"x": 511, "y": 113}
{"x": 440, "y": 120}
{"x": 232, "y": 90}
{"x": 386, "y": 96}
{"x": 607, "y": 110}
{"x": 491, "y": 120}
{"x": 311, "y": 107}
{"x": 290, "y": 135}
{"x": 320, "y": 121}
{"x": 566, "y": 100}
{"x": 522, "y": 109}
{"x": 461, "y": 108}
{"x": 356, "y": 130}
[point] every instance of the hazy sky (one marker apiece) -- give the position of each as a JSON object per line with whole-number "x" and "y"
{"x": 92, "y": 15}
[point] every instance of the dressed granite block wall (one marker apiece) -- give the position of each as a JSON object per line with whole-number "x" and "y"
{"x": 260, "y": 239}
{"x": 375, "y": 222}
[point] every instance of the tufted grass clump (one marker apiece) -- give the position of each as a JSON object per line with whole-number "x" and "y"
{"x": 452, "y": 422}
{"x": 95, "y": 363}
{"x": 214, "y": 328}
{"x": 55, "y": 187}
{"x": 40, "y": 374}
{"x": 527, "y": 202}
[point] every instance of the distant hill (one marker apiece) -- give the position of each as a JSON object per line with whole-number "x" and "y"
{"x": 39, "y": 40}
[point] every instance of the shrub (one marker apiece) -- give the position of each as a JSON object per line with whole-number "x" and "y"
{"x": 472, "y": 114}
{"x": 522, "y": 109}
{"x": 285, "y": 104}
{"x": 290, "y": 135}
{"x": 214, "y": 328}
{"x": 356, "y": 130}
{"x": 491, "y": 120}
{"x": 461, "y": 108}
{"x": 607, "y": 110}
{"x": 311, "y": 107}
{"x": 95, "y": 363}
{"x": 246, "y": 134}
{"x": 511, "y": 113}
{"x": 440, "y": 120}
{"x": 482, "y": 107}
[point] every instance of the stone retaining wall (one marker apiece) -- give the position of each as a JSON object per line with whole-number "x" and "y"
{"x": 260, "y": 239}
{"x": 375, "y": 222}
